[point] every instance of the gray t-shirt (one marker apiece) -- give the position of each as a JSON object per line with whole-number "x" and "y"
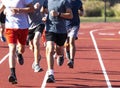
{"x": 35, "y": 18}
{"x": 56, "y": 24}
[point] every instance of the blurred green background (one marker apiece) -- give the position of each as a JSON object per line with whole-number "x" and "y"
{"x": 101, "y": 11}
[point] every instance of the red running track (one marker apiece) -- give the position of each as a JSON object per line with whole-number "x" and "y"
{"x": 97, "y": 63}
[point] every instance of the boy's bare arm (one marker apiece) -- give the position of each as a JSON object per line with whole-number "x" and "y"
{"x": 28, "y": 9}
{"x": 67, "y": 15}
{"x": 44, "y": 10}
{"x": 81, "y": 11}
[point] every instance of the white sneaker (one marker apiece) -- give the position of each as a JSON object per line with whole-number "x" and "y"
{"x": 36, "y": 68}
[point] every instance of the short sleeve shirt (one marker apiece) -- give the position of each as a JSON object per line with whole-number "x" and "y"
{"x": 56, "y": 24}
{"x": 16, "y": 20}
{"x": 35, "y": 18}
{"x": 75, "y": 5}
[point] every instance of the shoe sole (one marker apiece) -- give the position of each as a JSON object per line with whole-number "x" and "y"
{"x": 49, "y": 80}
{"x": 40, "y": 70}
{"x": 12, "y": 80}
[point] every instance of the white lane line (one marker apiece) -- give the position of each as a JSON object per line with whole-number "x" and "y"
{"x": 106, "y": 34}
{"x": 100, "y": 59}
{"x": 44, "y": 81}
{"x": 4, "y": 58}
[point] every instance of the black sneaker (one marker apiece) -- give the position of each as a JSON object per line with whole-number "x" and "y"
{"x": 50, "y": 79}
{"x": 20, "y": 58}
{"x": 12, "y": 79}
{"x": 60, "y": 60}
{"x": 70, "y": 63}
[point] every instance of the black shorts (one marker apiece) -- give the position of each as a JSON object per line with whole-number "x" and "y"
{"x": 39, "y": 28}
{"x": 58, "y": 38}
{"x": 2, "y": 18}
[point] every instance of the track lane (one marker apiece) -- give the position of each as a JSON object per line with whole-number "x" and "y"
{"x": 87, "y": 72}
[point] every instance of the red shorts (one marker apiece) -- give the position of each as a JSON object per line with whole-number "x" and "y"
{"x": 16, "y": 35}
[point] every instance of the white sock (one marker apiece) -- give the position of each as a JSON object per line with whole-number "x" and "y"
{"x": 51, "y": 72}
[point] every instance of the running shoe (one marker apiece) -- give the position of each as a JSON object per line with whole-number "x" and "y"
{"x": 12, "y": 79}
{"x": 37, "y": 68}
{"x": 60, "y": 60}
{"x": 3, "y": 39}
{"x": 50, "y": 79}
{"x": 70, "y": 63}
{"x": 20, "y": 58}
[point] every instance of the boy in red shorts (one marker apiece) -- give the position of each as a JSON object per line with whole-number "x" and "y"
{"x": 16, "y": 25}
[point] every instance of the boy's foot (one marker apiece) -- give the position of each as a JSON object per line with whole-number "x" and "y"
{"x": 20, "y": 58}
{"x": 50, "y": 79}
{"x": 12, "y": 79}
{"x": 70, "y": 63}
{"x": 60, "y": 60}
{"x": 36, "y": 68}
{"x": 3, "y": 39}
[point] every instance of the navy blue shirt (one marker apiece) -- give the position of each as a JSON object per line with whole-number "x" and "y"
{"x": 56, "y": 24}
{"x": 75, "y": 5}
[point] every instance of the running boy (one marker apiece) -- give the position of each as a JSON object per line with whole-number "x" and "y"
{"x": 16, "y": 25}
{"x": 58, "y": 11}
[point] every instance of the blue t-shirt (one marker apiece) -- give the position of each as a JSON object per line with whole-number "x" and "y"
{"x": 75, "y": 5}
{"x": 56, "y": 24}
{"x": 35, "y": 18}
